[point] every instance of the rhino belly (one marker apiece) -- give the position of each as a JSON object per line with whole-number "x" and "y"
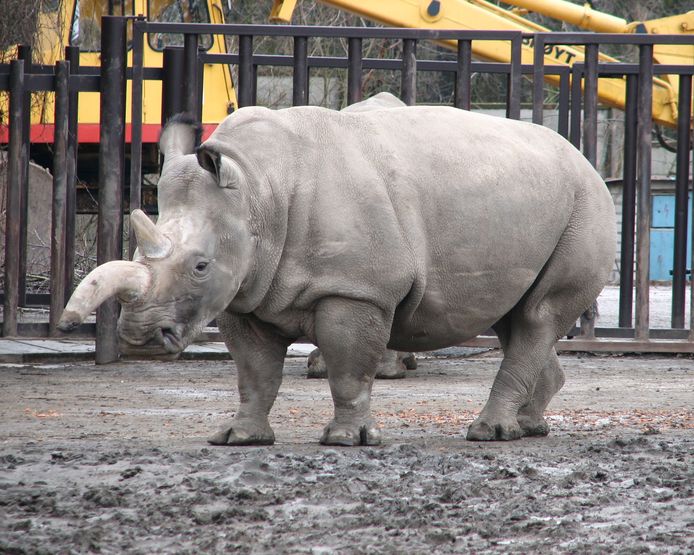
{"x": 458, "y": 308}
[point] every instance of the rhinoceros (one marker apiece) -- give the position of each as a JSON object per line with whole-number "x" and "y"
{"x": 410, "y": 228}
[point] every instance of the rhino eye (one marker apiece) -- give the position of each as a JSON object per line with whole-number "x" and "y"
{"x": 200, "y": 267}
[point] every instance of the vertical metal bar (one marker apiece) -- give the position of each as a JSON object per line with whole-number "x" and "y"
{"x": 245, "y": 96}
{"x": 679, "y": 273}
{"x": 190, "y": 73}
{"x": 72, "y": 54}
{"x": 575, "y": 130}
{"x": 626, "y": 260}
{"x": 564, "y": 95}
{"x": 12, "y": 201}
{"x": 463, "y": 76}
{"x": 691, "y": 281}
{"x": 354, "y": 70}
{"x": 136, "y": 130}
{"x": 172, "y": 83}
{"x": 111, "y": 162}
{"x": 513, "y": 89}
{"x": 590, "y": 105}
{"x": 643, "y": 209}
{"x": 254, "y": 89}
{"x": 538, "y": 78}
{"x": 300, "y": 91}
{"x": 408, "y": 80}
{"x": 24, "y": 53}
{"x": 60, "y": 139}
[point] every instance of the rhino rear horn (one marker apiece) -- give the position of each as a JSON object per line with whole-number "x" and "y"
{"x": 151, "y": 242}
{"x": 180, "y": 135}
{"x": 129, "y": 281}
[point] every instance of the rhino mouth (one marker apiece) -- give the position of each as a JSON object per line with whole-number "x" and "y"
{"x": 170, "y": 339}
{"x": 166, "y": 339}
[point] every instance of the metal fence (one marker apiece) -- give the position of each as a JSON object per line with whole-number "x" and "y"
{"x": 577, "y": 121}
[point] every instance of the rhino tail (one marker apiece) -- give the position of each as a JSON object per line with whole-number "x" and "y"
{"x": 588, "y": 320}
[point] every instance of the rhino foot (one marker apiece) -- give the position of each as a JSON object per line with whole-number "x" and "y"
{"x": 239, "y": 432}
{"x": 341, "y": 434}
{"x": 533, "y": 426}
{"x": 409, "y": 360}
{"x": 483, "y": 429}
{"x": 316, "y": 366}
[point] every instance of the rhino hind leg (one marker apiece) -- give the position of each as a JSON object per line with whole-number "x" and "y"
{"x": 530, "y": 373}
{"x": 393, "y": 365}
{"x": 352, "y": 351}
{"x": 513, "y": 387}
{"x": 531, "y": 415}
{"x": 259, "y": 357}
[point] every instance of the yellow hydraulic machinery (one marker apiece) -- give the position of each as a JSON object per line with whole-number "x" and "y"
{"x": 78, "y": 23}
{"x": 482, "y": 15}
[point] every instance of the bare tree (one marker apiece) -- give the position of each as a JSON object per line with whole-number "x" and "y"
{"x": 18, "y": 24}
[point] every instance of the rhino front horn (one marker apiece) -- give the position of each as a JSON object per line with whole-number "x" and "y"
{"x": 127, "y": 280}
{"x": 151, "y": 242}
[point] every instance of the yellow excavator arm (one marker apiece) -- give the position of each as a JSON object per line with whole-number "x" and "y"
{"x": 482, "y": 15}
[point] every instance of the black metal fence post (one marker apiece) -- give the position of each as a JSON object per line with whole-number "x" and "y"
{"x": 111, "y": 173}
{"x": 575, "y": 114}
{"x": 173, "y": 92}
{"x": 300, "y": 89}
{"x": 513, "y": 86}
{"x": 463, "y": 76}
{"x": 408, "y": 87}
{"x": 564, "y": 99}
{"x": 538, "y": 79}
{"x": 643, "y": 225}
{"x": 72, "y": 55}
{"x": 626, "y": 260}
{"x": 679, "y": 273}
{"x": 60, "y": 140}
{"x": 245, "y": 90}
{"x": 191, "y": 96}
{"x": 590, "y": 105}
{"x": 136, "y": 131}
{"x": 354, "y": 70}
{"x": 13, "y": 243}
{"x": 24, "y": 53}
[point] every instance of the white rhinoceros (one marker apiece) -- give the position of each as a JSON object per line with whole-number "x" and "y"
{"x": 410, "y": 228}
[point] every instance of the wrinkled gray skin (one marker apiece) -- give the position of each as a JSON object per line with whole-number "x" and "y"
{"x": 391, "y": 365}
{"x": 409, "y": 228}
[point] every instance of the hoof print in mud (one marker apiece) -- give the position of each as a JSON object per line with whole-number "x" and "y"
{"x": 347, "y": 436}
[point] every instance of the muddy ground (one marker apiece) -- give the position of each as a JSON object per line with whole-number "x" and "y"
{"x": 113, "y": 459}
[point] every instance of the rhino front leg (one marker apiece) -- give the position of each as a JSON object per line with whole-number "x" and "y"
{"x": 351, "y": 336}
{"x": 259, "y": 356}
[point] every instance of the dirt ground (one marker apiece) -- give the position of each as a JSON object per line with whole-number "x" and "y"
{"x": 113, "y": 459}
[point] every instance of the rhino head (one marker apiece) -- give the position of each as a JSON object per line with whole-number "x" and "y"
{"x": 189, "y": 266}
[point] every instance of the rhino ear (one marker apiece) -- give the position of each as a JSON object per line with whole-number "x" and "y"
{"x": 226, "y": 172}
